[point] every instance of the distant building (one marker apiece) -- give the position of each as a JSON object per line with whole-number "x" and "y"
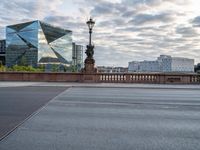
{"x": 133, "y": 66}
{"x": 103, "y": 69}
{"x": 77, "y": 56}
{"x": 143, "y": 66}
{"x": 176, "y": 64}
{"x": 197, "y": 68}
{"x": 34, "y": 43}
{"x": 164, "y": 63}
{"x": 182, "y": 64}
{"x": 2, "y": 51}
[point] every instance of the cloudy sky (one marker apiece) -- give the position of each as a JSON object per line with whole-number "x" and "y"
{"x": 125, "y": 30}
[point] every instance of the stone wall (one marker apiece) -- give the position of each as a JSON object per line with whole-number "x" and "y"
{"x": 154, "y": 78}
{"x": 42, "y": 77}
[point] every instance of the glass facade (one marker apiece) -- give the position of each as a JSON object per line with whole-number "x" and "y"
{"x": 35, "y": 43}
{"x": 77, "y": 56}
{"x": 2, "y": 51}
{"x": 2, "y": 46}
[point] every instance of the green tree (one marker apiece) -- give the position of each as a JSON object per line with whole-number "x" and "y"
{"x": 23, "y": 61}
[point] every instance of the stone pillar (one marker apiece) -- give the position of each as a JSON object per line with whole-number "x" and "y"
{"x": 89, "y": 66}
{"x": 89, "y": 61}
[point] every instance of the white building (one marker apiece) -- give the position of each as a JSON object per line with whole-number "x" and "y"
{"x": 143, "y": 66}
{"x": 149, "y": 66}
{"x": 133, "y": 66}
{"x": 182, "y": 64}
{"x": 103, "y": 69}
{"x": 164, "y": 63}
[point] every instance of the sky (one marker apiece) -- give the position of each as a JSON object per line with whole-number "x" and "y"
{"x": 125, "y": 30}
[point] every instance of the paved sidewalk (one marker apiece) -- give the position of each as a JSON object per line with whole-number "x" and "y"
{"x": 115, "y": 85}
{"x": 18, "y": 103}
{"x": 113, "y": 119}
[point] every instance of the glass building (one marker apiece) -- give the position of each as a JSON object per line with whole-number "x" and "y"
{"x": 34, "y": 43}
{"x": 2, "y": 51}
{"x": 77, "y": 56}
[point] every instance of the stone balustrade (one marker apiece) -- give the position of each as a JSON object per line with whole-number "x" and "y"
{"x": 153, "y": 78}
{"x": 157, "y": 78}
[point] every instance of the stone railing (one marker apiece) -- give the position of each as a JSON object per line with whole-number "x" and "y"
{"x": 128, "y": 78}
{"x": 157, "y": 78}
{"x": 195, "y": 79}
{"x": 153, "y": 78}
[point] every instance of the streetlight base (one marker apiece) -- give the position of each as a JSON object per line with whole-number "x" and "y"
{"x": 89, "y": 61}
{"x": 89, "y": 66}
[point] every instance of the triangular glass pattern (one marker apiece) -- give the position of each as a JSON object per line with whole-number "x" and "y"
{"x": 18, "y": 27}
{"x": 20, "y": 56}
{"x": 32, "y": 26}
{"x": 63, "y": 46}
{"x": 31, "y": 37}
{"x": 52, "y": 33}
{"x": 9, "y": 30}
{"x": 44, "y": 50}
{"x": 60, "y": 58}
{"x": 26, "y": 41}
{"x": 16, "y": 40}
{"x": 39, "y": 43}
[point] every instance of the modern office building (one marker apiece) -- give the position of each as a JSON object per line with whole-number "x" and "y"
{"x": 77, "y": 56}
{"x": 149, "y": 66}
{"x": 144, "y": 66}
{"x": 182, "y": 64}
{"x": 164, "y": 63}
{"x": 175, "y": 64}
{"x": 34, "y": 43}
{"x": 104, "y": 69}
{"x": 134, "y": 66}
{"x": 2, "y": 51}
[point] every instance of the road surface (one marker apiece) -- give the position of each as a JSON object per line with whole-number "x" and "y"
{"x": 113, "y": 119}
{"x": 18, "y": 103}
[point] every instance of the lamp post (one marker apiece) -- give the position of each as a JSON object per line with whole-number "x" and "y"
{"x": 90, "y": 24}
{"x": 90, "y": 48}
{"x": 89, "y": 61}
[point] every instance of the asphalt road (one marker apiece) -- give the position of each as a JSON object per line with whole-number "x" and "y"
{"x": 17, "y": 103}
{"x": 113, "y": 119}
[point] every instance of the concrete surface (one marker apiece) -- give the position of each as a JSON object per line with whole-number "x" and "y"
{"x": 113, "y": 119}
{"x": 115, "y": 85}
{"x": 18, "y": 103}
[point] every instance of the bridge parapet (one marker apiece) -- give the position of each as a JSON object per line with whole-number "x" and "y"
{"x": 152, "y": 78}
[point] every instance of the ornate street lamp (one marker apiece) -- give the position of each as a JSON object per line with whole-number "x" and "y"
{"x": 90, "y": 48}
{"x": 90, "y": 24}
{"x": 89, "y": 61}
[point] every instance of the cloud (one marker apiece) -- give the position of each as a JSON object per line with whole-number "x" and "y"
{"x": 129, "y": 13}
{"x": 143, "y": 19}
{"x": 143, "y": 2}
{"x": 154, "y": 3}
{"x": 196, "y": 21}
{"x": 125, "y": 30}
{"x": 107, "y": 8}
{"x": 17, "y": 11}
{"x": 186, "y": 31}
